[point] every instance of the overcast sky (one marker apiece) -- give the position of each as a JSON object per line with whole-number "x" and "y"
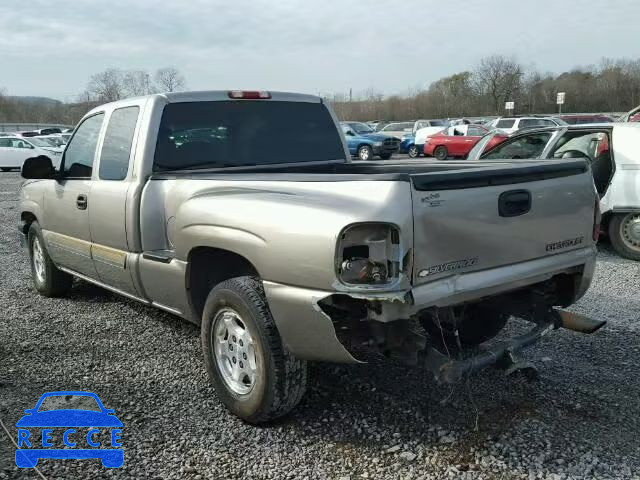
{"x": 50, "y": 48}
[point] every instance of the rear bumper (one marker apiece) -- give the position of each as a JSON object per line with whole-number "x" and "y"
{"x": 309, "y": 333}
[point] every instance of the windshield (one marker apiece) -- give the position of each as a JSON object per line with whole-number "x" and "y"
{"x": 361, "y": 128}
{"x": 69, "y": 402}
{"x": 243, "y": 133}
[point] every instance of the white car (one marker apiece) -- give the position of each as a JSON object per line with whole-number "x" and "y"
{"x": 512, "y": 124}
{"x": 15, "y": 150}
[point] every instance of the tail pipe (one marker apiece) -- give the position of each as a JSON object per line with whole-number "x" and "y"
{"x": 447, "y": 370}
{"x": 577, "y": 322}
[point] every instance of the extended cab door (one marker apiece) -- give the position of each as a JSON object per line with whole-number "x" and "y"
{"x": 108, "y": 213}
{"x": 67, "y": 201}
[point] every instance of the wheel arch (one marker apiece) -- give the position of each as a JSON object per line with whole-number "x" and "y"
{"x": 207, "y": 267}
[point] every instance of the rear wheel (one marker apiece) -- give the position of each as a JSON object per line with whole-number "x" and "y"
{"x": 365, "y": 152}
{"x": 47, "y": 278}
{"x": 414, "y": 152}
{"x": 254, "y": 375}
{"x": 441, "y": 152}
{"x": 475, "y": 324}
{"x": 624, "y": 233}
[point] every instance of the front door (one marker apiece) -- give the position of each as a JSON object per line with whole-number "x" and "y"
{"x": 67, "y": 201}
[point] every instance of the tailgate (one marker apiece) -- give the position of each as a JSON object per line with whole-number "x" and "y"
{"x": 496, "y": 215}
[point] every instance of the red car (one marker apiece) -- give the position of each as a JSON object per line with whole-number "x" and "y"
{"x": 457, "y": 141}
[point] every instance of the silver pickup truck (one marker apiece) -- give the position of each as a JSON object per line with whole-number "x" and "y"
{"x": 242, "y": 212}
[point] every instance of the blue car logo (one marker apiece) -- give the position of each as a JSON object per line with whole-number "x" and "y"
{"x": 69, "y": 425}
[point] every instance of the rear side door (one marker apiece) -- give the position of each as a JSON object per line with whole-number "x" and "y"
{"x": 67, "y": 201}
{"x": 108, "y": 213}
{"x": 457, "y": 140}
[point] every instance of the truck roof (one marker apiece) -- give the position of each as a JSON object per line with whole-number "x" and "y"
{"x": 209, "y": 96}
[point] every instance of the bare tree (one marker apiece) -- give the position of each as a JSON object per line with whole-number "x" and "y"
{"x": 498, "y": 77}
{"x": 137, "y": 82}
{"x": 107, "y": 86}
{"x": 169, "y": 79}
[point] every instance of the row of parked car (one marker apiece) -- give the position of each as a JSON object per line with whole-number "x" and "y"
{"x": 611, "y": 147}
{"x": 16, "y": 147}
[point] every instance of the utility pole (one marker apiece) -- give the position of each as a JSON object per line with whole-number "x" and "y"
{"x": 350, "y": 94}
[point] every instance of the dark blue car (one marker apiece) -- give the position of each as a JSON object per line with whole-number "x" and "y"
{"x": 365, "y": 144}
{"x": 77, "y": 412}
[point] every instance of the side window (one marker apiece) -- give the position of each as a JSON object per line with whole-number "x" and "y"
{"x": 529, "y": 122}
{"x": 475, "y": 131}
{"x": 81, "y": 151}
{"x": 586, "y": 144}
{"x": 116, "y": 148}
{"x": 526, "y": 146}
{"x": 505, "y": 123}
{"x": 5, "y": 143}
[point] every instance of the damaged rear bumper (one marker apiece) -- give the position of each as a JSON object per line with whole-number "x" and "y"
{"x": 450, "y": 371}
{"x": 308, "y": 332}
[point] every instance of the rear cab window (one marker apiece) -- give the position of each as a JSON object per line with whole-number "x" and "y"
{"x": 217, "y": 134}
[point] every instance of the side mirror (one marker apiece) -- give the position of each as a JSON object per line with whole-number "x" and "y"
{"x": 40, "y": 167}
{"x": 29, "y": 411}
{"x": 109, "y": 411}
{"x": 350, "y": 133}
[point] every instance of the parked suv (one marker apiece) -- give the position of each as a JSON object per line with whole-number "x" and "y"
{"x": 511, "y": 124}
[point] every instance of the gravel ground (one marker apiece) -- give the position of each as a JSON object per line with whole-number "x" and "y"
{"x": 380, "y": 420}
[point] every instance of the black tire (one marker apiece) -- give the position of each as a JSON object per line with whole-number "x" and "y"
{"x": 385, "y": 156}
{"x": 365, "y": 152}
{"x": 476, "y": 325}
{"x": 53, "y": 282}
{"x": 281, "y": 379}
{"x": 622, "y": 241}
{"x": 414, "y": 152}
{"x": 5, "y": 169}
{"x": 441, "y": 152}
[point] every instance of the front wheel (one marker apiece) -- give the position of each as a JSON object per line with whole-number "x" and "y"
{"x": 47, "y": 278}
{"x": 365, "y": 152}
{"x": 414, "y": 152}
{"x": 441, "y": 152}
{"x": 624, "y": 233}
{"x": 253, "y": 374}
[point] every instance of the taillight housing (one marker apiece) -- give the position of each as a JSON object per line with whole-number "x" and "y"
{"x": 249, "y": 95}
{"x": 597, "y": 216}
{"x": 369, "y": 254}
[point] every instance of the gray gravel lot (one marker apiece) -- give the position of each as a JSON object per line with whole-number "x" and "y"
{"x": 379, "y": 420}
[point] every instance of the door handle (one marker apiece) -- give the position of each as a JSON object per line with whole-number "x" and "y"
{"x": 514, "y": 203}
{"x": 81, "y": 202}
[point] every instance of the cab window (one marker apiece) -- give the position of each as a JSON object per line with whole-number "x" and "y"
{"x": 81, "y": 150}
{"x": 116, "y": 149}
{"x": 526, "y": 146}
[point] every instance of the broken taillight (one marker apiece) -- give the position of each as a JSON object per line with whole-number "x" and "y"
{"x": 249, "y": 95}
{"x": 596, "y": 220}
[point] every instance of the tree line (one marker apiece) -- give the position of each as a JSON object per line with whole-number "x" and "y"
{"x": 613, "y": 85}
{"x": 106, "y": 86}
